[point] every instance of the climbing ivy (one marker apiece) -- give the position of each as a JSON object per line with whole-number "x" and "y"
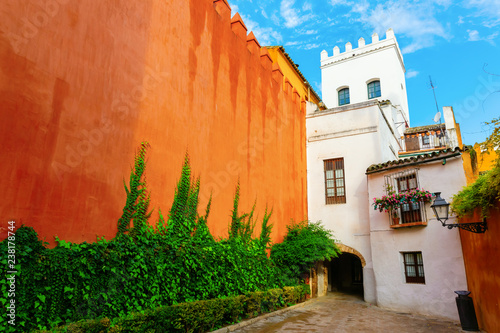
{"x": 266, "y": 228}
{"x": 138, "y": 198}
{"x": 144, "y": 266}
{"x": 241, "y": 226}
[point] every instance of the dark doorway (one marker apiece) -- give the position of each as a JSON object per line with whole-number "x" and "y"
{"x": 346, "y": 274}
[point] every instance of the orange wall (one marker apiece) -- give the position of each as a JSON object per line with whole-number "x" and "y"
{"x": 84, "y": 82}
{"x": 485, "y": 161}
{"x": 481, "y": 253}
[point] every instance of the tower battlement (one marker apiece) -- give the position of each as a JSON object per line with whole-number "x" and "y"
{"x": 363, "y": 48}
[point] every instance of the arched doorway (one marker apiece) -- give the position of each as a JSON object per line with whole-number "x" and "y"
{"x": 346, "y": 271}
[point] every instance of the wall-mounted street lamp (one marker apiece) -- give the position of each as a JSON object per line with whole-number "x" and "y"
{"x": 441, "y": 210}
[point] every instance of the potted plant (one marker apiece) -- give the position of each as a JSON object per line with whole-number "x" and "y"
{"x": 395, "y": 217}
{"x": 392, "y": 201}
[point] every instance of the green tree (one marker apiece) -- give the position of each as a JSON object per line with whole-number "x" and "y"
{"x": 304, "y": 244}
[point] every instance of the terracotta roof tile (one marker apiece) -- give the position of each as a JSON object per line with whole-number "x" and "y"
{"x": 422, "y": 158}
{"x": 426, "y": 128}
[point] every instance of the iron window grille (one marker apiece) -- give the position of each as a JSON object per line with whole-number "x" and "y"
{"x": 409, "y": 212}
{"x": 334, "y": 181}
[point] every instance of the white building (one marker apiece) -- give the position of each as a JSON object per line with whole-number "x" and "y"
{"x": 418, "y": 263}
{"x": 366, "y": 124}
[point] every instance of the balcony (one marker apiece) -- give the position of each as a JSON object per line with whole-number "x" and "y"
{"x": 409, "y": 215}
{"x": 425, "y": 138}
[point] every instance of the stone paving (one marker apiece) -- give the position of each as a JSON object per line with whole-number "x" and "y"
{"x": 345, "y": 313}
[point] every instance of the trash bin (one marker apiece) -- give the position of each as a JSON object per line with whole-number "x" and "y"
{"x": 466, "y": 311}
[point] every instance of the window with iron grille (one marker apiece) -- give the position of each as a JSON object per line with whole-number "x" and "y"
{"x": 410, "y": 212}
{"x": 344, "y": 96}
{"x": 414, "y": 267}
{"x": 403, "y": 181}
{"x": 374, "y": 89}
{"x": 334, "y": 181}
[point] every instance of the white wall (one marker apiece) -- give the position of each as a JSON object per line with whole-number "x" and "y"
{"x": 441, "y": 248}
{"x": 451, "y": 130}
{"x": 382, "y": 60}
{"x": 359, "y": 135}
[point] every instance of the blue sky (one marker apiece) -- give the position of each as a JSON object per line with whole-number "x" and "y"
{"x": 455, "y": 42}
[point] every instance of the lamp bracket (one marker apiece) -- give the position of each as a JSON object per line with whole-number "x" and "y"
{"x": 476, "y": 227}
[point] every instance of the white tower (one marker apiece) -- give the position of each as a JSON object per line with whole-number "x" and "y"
{"x": 356, "y": 68}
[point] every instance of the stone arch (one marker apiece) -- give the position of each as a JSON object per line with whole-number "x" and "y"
{"x": 348, "y": 249}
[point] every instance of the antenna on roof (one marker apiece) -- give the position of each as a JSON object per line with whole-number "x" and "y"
{"x": 437, "y": 117}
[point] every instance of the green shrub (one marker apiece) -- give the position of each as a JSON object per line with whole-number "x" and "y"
{"x": 304, "y": 244}
{"x": 198, "y": 316}
{"x": 484, "y": 193}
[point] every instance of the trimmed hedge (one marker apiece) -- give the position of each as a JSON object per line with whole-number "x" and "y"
{"x": 199, "y": 316}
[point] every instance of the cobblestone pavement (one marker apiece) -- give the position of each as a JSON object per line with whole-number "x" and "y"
{"x": 345, "y": 313}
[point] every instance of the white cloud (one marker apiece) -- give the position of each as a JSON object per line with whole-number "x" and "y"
{"x": 265, "y": 35}
{"x": 311, "y": 46}
{"x": 460, "y": 20}
{"x": 306, "y": 6}
{"x": 473, "y": 35}
{"x": 275, "y": 19}
{"x": 293, "y": 17}
{"x": 411, "y": 19}
{"x": 492, "y": 37}
{"x": 444, "y": 3}
{"x": 234, "y": 10}
{"x": 489, "y": 9}
{"x": 340, "y": 2}
{"x": 306, "y": 32}
{"x": 411, "y": 73}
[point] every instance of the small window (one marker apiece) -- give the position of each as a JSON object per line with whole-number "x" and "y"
{"x": 414, "y": 267}
{"x": 344, "y": 96}
{"x": 426, "y": 141}
{"x": 334, "y": 181}
{"x": 374, "y": 89}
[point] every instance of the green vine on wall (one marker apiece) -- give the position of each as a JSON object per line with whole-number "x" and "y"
{"x": 241, "y": 226}
{"x": 138, "y": 197}
{"x": 147, "y": 266}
